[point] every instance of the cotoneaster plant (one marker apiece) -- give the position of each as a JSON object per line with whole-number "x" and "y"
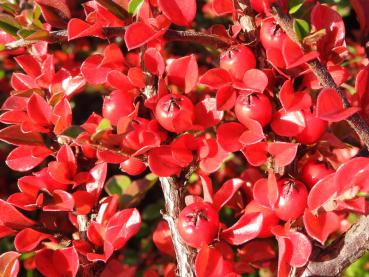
{"x": 183, "y": 138}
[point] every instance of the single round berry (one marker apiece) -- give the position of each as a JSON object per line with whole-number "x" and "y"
{"x": 292, "y": 199}
{"x": 271, "y": 34}
{"x": 175, "y": 113}
{"x": 313, "y": 171}
{"x": 117, "y": 105}
{"x": 198, "y": 224}
{"x": 254, "y": 106}
{"x": 237, "y": 60}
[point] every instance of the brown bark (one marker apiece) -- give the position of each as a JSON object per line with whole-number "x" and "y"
{"x": 174, "y": 202}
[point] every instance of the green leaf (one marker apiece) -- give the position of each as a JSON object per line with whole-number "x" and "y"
{"x": 9, "y": 24}
{"x": 134, "y": 6}
{"x": 117, "y": 184}
{"x": 294, "y": 5}
{"x": 152, "y": 211}
{"x": 301, "y": 27}
{"x": 136, "y": 191}
{"x": 38, "y": 35}
{"x": 104, "y": 125}
{"x": 73, "y": 131}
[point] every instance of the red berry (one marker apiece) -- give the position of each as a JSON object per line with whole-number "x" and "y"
{"x": 133, "y": 166}
{"x": 314, "y": 129}
{"x": 269, "y": 218}
{"x": 292, "y": 199}
{"x": 116, "y": 105}
{"x": 198, "y": 224}
{"x": 313, "y": 171}
{"x": 254, "y": 106}
{"x": 237, "y": 60}
{"x": 271, "y": 34}
{"x": 175, "y": 113}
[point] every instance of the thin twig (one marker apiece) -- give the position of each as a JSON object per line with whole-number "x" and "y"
{"x": 212, "y": 40}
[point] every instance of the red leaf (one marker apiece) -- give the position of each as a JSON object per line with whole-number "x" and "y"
{"x": 253, "y": 133}
{"x": 324, "y": 17}
{"x": 293, "y": 101}
{"x": 58, "y": 263}
{"x": 209, "y": 262}
{"x": 215, "y": 78}
{"x": 162, "y": 238}
{"x": 98, "y": 172}
{"x": 14, "y": 135}
{"x": 302, "y": 248}
{"x": 211, "y": 163}
{"x": 226, "y": 192}
{"x": 330, "y": 106}
{"x": 23, "y": 159}
{"x": 55, "y": 12}
{"x": 293, "y": 54}
{"x": 39, "y": 110}
{"x": 93, "y": 72}
{"x": 223, "y": 7}
{"x": 207, "y": 187}
{"x": 122, "y": 226}
{"x": 9, "y": 264}
{"x": 229, "y": 134}
{"x": 162, "y": 163}
{"x": 284, "y": 255}
{"x": 83, "y": 201}
{"x": 226, "y": 98}
{"x": 13, "y": 117}
{"x": 154, "y": 62}
{"x": 323, "y": 191}
{"x": 246, "y": 228}
{"x": 255, "y": 79}
{"x": 362, "y": 88}
{"x": 179, "y": 12}
{"x": 321, "y": 226}
{"x": 62, "y": 201}
{"x": 78, "y": 28}
{"x": 20, "y": 81}
{"x": 283, "y": 153}
{"x": 12, "y": 218}
{"x": 183, "y": 72}
{"x": 29, "y": 64}
{"x": 139, "y": 34}
{"x": 256, "y": 154}
{"x": 344, "y": 177}
{"x": 266, "y": 192}
{"x": 207, "y": 114}
{"x": 14, "y": 102}
{"x": 28, "y": 239}
{"x": 361, "y": 8}
{"x": 288, "y": 124}
{"x": 257, "y": 251}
